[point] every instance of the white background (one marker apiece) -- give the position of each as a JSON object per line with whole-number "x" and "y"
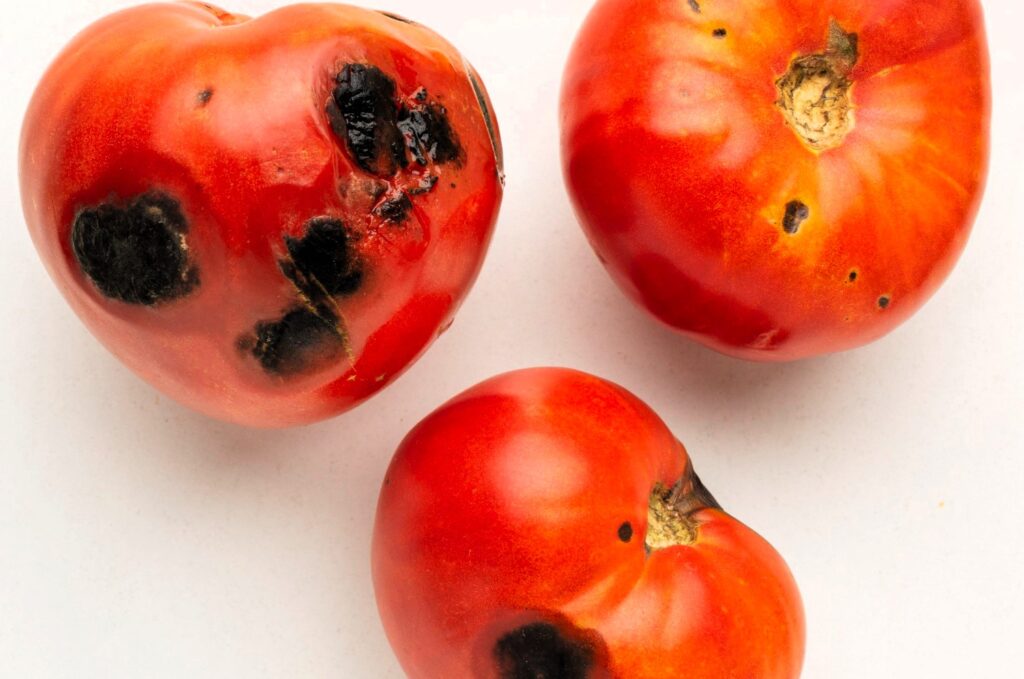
{"x": 138, "y": 539}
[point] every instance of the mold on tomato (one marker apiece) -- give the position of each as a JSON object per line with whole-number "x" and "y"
{"x": 541, "y": 650}
{"x": 136, "y": 253}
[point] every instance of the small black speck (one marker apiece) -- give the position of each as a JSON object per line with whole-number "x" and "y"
{"x": 204, "y": 97}
{"x": 853, "y": 276}
{"x": 719, "y": 33}
{"x": 453, "y": 185}
{"x": 626, "y": 532}
{"x": 796, "y": 214}
{"x": 883, "y": 302}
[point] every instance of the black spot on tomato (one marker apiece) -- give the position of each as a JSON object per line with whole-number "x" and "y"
{"x": 884, "y": 301}
{"x": 381, "y": 131}
{"x": 694, "y": 5}
{"x": 322, "y": 264}
{"x": 204, "y": 97}
{"x": 626, "y": 532}
{"x": 136, "y": 253}
{"x": 394, "y": 210}
{"x": 719, "y": 33}
{"x": 297, "y": 342}
{"x": 540, "y": 651}
{"x": 323, "y": 261}
{"x": 853, "y": 276}
{"x": 796, "y": 214}
{"x": 429, "y": 133}
{"x": 363, "y": 111}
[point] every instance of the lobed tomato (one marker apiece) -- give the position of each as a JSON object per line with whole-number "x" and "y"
{"x": 546, "y": 523}
{"x": 267, "y": 219}
{"x": 778, "y": 178}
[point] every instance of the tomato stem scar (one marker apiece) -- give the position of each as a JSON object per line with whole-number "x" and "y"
{"x": 814, "y": 94}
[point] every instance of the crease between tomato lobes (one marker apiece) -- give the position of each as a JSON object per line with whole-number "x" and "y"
{"x": 713, "y": 211}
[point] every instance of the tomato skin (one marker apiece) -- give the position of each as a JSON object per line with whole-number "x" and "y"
{"x": 505, "y": 509}
{"x": 682, "y": 178}
{"x": 183, "y": 107}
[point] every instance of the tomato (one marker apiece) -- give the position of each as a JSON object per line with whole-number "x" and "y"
{"x": 267, "y": 219}
{"x": 546, "y": 523}
{"x": 778, "y": 179}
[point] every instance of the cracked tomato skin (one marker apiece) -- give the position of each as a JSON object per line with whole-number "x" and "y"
{"x": 267, "y": 219}
{"x": 515, "y": 537}
{"x": 711, "y": 208}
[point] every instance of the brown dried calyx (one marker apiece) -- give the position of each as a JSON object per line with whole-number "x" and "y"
{"x": 814, "y": 94}
{"x": 671, "y": 513}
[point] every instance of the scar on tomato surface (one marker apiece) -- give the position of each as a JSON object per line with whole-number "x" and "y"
{"x": 542, "y": 649}
{"x": 204, "y": 97}
{"x": 796, "y": 214}
{"x": 694, "y": 5}
{"x": 136, "y": 253}
{"x": 322, "y": 265}
{"x": 382, "y": 133}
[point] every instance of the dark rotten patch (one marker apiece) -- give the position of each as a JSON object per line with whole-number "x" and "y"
{"x": 363, "y": 111}
{"x": 321, "y": 265}
{"x": 540, "y": 651}
{"x": 298, "y": 341}
{"x": 322, "y": 261}
{"x": 796, "y": 214}
{"x": 394, "y": 210}
{"x": 136, "y": 253}
{"x": 381, "y": 132}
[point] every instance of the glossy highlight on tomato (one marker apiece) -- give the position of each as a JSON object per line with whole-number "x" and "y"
{"x": 546, "y": 523}
{"x": 778, "y": 179}
{"x": 268, "y": 219}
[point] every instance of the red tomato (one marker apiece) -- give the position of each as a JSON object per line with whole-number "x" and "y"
{"x": 267, "y": 219}
{"x": 546, "y": 523}
{"x": 783, "y": 178}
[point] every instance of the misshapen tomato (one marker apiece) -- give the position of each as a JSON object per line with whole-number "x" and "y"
{"x": 267, "y": 219}
{"x": 547, "y": 524}
{"x": 781, "y": 178}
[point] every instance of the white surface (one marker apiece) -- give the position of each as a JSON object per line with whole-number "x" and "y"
{"x": 138, "y": 539}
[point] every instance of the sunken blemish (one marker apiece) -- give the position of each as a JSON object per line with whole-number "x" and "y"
{"x": 626, "y": 531}
{"x": 796, "y": 214}
{"x": 321, "y": 265}
{"x": 323, "y": 260}
{"x": 719, "y": 33}
{"x": 204, "y": 97}
{"x": 138, "y": 253}
{"x": 394, "y": 210}
{"x": 297, "y": 342}
{"x": 853, "y": 276}
{"x": 362, "y": 110}
{"x": 884, "y": 301}
{"x": 541, "y": 651}
{"x": 429, "y": 134}
{"x": 381, "y": 131}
